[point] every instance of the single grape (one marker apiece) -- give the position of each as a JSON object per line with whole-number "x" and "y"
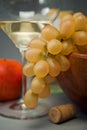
{"x": 54, "y": 47}
{"x": 30, "y": 99}
{"x": 63, "y": 61}
{"x": 45, "y": 92}
{"x": 54, "y": 67}
{"x": 39, "y": 44}
{"x": 67, "y": 28}
{"x": 28, "y": 69}
{"x": 37, "y": 85}
{"x": 41, "y": 69}
{"x": 67, "y": 47}
{"x": 49, "y": 32}
{"x": 80, "y": 38}
{"x": 80, "y": 21}
{"x": 33, "y": 55}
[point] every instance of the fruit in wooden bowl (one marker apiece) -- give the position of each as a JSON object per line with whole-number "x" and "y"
{"x": 74, "y": 81}
{"x": 57, "y": 55}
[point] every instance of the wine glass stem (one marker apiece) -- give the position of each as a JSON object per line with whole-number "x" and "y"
{"x": 23, "y": 77}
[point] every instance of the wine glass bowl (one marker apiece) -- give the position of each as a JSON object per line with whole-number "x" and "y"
{"x": 74, "y": 81}
{"x": 22, "y": 32}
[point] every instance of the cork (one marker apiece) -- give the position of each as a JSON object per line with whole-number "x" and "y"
{"x": 62, "y": 113}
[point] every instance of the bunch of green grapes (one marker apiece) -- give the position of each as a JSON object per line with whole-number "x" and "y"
{"x": 47, "y": 57}
{"x": 74, "y": 27}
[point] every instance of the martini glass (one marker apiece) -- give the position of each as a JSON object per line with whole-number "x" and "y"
{"x": 21, "y": 27}
{"x": 21, "y": 33}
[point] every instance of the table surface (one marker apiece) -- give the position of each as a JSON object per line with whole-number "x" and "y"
{"x": 43, "y": 123}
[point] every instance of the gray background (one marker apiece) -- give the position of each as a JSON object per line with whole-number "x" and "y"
{"x": 7, "y": 48}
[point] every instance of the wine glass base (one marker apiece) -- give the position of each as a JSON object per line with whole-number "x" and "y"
{"x": 18, "y": 110}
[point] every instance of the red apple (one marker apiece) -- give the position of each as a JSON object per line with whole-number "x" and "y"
{"x": 10, "y": 79}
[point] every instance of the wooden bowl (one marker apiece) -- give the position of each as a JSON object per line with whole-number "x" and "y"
{"x": 74, "y": 81}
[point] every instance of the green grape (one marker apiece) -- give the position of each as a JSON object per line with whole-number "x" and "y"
{"x": 45, "y": 92}
{"x": 54, "y": 46}
{"x": 37, "y": 85}
{"x": 67, "y": 47}
{"x": 41, "y": 69}
{"x": 63, "y": 61}
{"x": 54, "y": 67}
{"x": 28, "y": 69}
{"x": 80, "y": 38}
{"x": 49, "y": 32}
{"x": 67, "y": 28}
{"x": 39, "y": 44}
{"x": 80, "y": 21}
{"x": 34, "y": 55}
{"x": 30, "y": 99}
